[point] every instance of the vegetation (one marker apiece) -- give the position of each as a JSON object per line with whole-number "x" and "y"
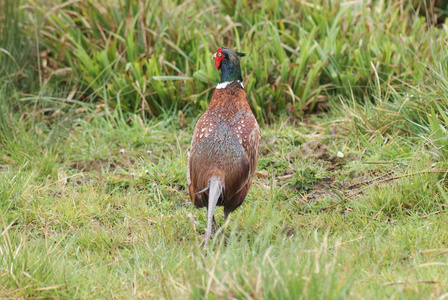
{"x": 155, "y": 57}
{"x": 98, "y": 100}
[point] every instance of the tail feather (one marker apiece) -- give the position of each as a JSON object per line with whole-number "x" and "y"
{"x": 215, "y": 189}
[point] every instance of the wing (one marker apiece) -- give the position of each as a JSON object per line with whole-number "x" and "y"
{"x": 204, "y": 126}
{"x": 248, "y": 133}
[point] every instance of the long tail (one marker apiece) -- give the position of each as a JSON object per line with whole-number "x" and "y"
{"x": 215, "y": 189}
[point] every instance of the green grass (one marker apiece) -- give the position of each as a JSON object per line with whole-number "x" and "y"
{"x": 152, "y": 58}
{"x": 98, "y": 102}
{"x": 91, "y": 228}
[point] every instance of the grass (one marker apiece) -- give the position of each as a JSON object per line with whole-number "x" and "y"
{"x": 96, "y": 117}
{"x": 139, "y": 56}
{"x": 104, "y": 223}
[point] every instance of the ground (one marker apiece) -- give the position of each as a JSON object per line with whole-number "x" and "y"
{"x": 107, "y": 213}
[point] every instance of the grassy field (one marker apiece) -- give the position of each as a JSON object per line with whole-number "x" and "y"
{"x": 98, "y": 100}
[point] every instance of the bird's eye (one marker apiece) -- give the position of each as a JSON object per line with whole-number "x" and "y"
{"x": 219, "y": 54}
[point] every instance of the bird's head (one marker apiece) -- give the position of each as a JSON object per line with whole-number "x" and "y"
{"x": 226, "y": 56}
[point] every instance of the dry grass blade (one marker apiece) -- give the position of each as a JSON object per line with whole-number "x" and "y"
{"x": 383, "y": 181}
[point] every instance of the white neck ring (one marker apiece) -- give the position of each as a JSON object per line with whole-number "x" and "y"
{"x": 223, "y": 85}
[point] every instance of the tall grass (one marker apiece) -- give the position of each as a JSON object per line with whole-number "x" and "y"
{"x": 16, "y": 49}
{"x": 155, "y": 57}
{"x": 81, "y": 218}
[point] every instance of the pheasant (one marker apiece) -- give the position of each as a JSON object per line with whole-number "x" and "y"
{"x": 225, "y": 144}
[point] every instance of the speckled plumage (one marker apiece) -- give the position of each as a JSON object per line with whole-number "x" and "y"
{"x": 225, "y": 143}
{"x": 225, "y": 147}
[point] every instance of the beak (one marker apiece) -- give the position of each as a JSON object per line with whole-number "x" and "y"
{"x": 214, "y": 56}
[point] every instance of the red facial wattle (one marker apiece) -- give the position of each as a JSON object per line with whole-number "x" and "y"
{"x": 219, "y": 57}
